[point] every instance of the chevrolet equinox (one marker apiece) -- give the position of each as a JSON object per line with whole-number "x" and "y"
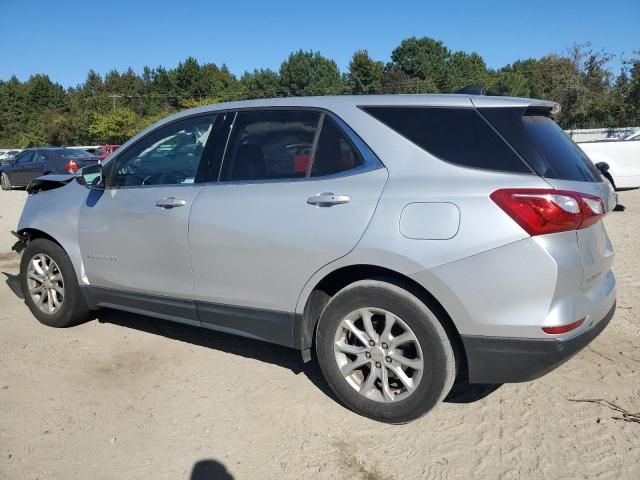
{"x": 402, "y": 238}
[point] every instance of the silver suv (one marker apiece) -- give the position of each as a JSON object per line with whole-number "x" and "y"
{"x": 404, "y": 239}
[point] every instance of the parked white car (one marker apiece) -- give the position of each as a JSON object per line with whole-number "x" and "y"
{"x": 6, "y": 154}
{"x": 633, "y": 136}
{"x": 623, "y": 158}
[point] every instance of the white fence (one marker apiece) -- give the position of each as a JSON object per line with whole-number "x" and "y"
{"x": 591, "y": 134}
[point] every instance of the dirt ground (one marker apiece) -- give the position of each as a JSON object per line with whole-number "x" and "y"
{"x": 131, "y": 397}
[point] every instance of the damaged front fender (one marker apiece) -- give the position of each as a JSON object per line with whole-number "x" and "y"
{"x": 48, "y": 182}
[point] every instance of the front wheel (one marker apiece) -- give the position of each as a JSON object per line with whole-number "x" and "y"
{"x": 50, "y": 286}
{"x": 384, "y": 352}
{"x": 6, "y": 182}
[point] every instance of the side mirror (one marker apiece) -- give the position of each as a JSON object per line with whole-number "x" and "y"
{"x": 603, "y": 167}
{"x": 91, "y": 176}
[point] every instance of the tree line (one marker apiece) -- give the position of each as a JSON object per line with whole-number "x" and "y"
{"x": 112, "y": 108}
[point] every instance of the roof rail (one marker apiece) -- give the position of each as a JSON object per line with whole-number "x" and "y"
{"x": 473, "y": 90}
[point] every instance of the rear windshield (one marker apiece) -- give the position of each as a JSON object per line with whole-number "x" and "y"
{"x": 456, "y": 135}
{"x": 543, "y": 144}
{"x": 72, "y": 153}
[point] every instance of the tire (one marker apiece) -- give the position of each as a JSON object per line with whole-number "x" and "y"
{"x": 6, "y": 182}
{"x": 70, "y": 308}
{"x": 400, "y": 404}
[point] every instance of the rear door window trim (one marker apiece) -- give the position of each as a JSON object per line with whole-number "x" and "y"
{"x": 370, "y": 159}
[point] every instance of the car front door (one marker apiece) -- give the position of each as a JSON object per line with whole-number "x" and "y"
{"x": 261, "y": 232}
{"x": 134, "y": 233}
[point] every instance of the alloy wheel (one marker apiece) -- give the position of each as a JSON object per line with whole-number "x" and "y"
{"x": 378, "y": 355}
{"x": 45, "y": 283}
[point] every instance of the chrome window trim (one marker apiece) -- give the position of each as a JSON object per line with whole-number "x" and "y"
{"x": 370, "y": 160}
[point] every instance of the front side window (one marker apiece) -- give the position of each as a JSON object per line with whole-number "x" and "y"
{"x": 24, "y": 157}
{"x": 285, "y": 144}
{"x": 167, "y": 156}
{"x": 99, "y": 151}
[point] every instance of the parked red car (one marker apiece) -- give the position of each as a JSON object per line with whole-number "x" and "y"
{"x": 105, "y": 150}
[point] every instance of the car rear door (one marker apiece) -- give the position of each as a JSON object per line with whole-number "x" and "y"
{"x": 261, "y": 232}
{"x": 36, "y": 167}
{"x": 18, "y": 171}
{"x": 134, "y": 234}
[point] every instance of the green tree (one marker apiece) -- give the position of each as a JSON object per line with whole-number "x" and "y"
{"x": 423, "y": 58}
{"x": 365, "y": 74}
{"x": 116, "y": 126}
{"x": 38, "y": 111}
{"x": 394, "y": 80}
{"x": 59, "y": 129}
{"x": 464, "y": 70}
{"x": 308, "y": 73}
{"x": 259, "y": 84}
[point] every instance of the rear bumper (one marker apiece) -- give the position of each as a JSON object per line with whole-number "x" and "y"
{"x": 512, "y": 360}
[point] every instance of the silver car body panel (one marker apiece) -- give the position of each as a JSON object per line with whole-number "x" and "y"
{"x": 259, "y": 245}
{"x": 255, "y": 244}
{"x": 129, "y": 243}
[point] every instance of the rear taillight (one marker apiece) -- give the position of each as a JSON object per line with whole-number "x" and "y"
{"x": 71, "y": 166}
{"x": 540, "y": 211}
{"x": 563, "y": 328}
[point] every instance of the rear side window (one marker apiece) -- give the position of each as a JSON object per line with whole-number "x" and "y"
{"x": 543, "y": 144}
{"x": 72, "y": 153}
{"x": 457, "y": 135}
{"x": 334, "y": 153}
{"x": 285, "y": 144}
{"x": 270, "y": 144}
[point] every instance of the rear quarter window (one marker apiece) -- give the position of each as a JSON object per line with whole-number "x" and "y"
{"x": 456, "y": 135}
{"x": 543, "y": 144}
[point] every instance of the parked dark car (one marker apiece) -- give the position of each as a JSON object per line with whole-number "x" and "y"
{"x": 35, "y": 162}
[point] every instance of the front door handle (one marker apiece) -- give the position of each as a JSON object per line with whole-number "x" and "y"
{"x": 328, "y": 199}
{"x": 170, "y": 202}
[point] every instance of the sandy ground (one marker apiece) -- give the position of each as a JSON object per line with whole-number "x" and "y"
{"x": 138, "y": 398}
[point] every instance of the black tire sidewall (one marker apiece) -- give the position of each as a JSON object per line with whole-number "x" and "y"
{"x": 74, "y": 309}
{"x": 6, "y": 182}
{"x": 439, "y": 362}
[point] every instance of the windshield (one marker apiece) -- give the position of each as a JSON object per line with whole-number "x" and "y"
{"x": 633, "y": 136}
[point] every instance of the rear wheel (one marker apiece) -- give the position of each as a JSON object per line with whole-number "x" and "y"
{"x": 384, "y": 352}
{"x": 50, "y": 286}
{"x": 6, "y": 182}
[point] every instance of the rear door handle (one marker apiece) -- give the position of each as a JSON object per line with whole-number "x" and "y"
{"x": 170, "y": 202}
{"x": 328, "y": 199}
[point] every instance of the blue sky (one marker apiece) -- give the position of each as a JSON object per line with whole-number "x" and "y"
{"x": 66, "y": 38}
